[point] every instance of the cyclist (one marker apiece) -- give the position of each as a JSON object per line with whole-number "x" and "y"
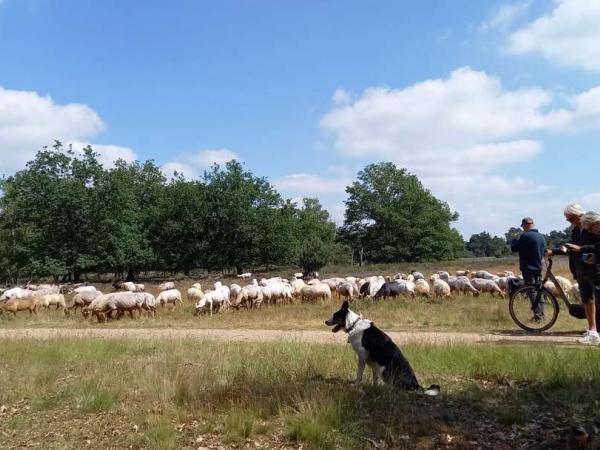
{"x": 531, "y": 247}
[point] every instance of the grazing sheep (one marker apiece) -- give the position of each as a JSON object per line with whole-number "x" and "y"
{"x": 234, "y": 291}
{"x": 565, "y": 284}
{"x": 395, "y": 289}
{"x": 131, "y": 287}
{"x": 315, "y": 292}
{"x": 418, "y": 276}
{"x": 251, "y": 295}
{"x": 167, "y": 285}
{"x": 149, "y": 303}
{"x": 245, "y": 276}
{"x": 48, "y": 300}
{"x": 83, "y": 299}
{"x": 194, "y": 294}
{"x": 171, "y": 296}
{"x": 443, "y": 274}
{"x": 434, "y": 277}
{"x": 463, "y": 273}
{"x": 298, "y": 275}
{"x": 487, "y": 285}
{"x": 441, "y": 288}
{"x": 19, "y": 304}
{"x": 17, "y": 293}
{"x": 82, "y": 289}
{"x": 422, "y": 288}
{"x": 127, "y": 302}
{"x": 297, "y": 285}
{"x": 484, "y": 274}
{"x": 347, "y": 290}
{"x": 212, "y": 298}
{"x": 98, "y": 307}
{"x": 505, "y": 274}
{"x": 463, "y": 285}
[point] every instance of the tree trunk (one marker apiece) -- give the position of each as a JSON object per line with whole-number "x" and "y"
{"x": 130, "y": 275}
{"x": 76, "y": 276}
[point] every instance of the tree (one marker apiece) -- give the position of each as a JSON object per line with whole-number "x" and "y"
{"x": 315, "y": 236}
{"x": 394, "y": 218}
{"x": 483, "y": 244}
{"x": 556, "y": 238}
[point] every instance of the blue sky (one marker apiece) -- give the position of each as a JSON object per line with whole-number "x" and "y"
{"x": 493, "y": 104}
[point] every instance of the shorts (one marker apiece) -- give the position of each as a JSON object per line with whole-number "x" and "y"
{"x": 587, "y": 289}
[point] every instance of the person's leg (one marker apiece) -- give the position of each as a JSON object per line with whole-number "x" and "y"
{"x": 589, "y": 297}
{"x": 535, "y": 278}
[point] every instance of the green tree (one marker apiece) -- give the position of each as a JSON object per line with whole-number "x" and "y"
{"x": 315, "y": 237}
{"x": 483, "y": 244}
{"x": 395, "y": 218}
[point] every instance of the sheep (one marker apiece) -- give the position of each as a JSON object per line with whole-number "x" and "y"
{"x": 297, "y": 285}
{"x": 574, "y": 293}
{"x": 505, "y": 274}
{"x": 83, "y": 299}
{"x": 130, "y": 302}
{"x": 462, "y": 273}
{"x": 418, "y": 276}
{"x": 211, "y": 298}
{"x": 331, "y": 282}
{"x": 434, "y": 277}
{"x": 82, "y": 289}
{"x": 17, "y": 293}
{"x": 486, "y": 285}
{"x": 244, "y": 276}
{"x": 484, "y": 274}
{"x": 98, "y": 307}
{"x": 375, "y": 284}
{"x": 149, "y": 303}
{"x": 443, "y": 274}
{"x": 463, "y": 284}
{"x": 194, "y": 294}
{"x": 234, "y": 291}
{"x": 441, "y": 288}
{"x": 298, "y": 275}
{"x": 14, "y": 305}
{"x": 422, "y": 288}
{"x": 251, "y": 295}
{"x": 167, "y": 285}
{"x": 131, "y": 287}
{"x": 48, "y": 300}
{"x": 396, "y": 288}
{"x": 564, "y": 283}
{"x": 315, "y": 292}
{"x": 172, "y": 296}
{"x": 224, "y": 291}
{"x": 347, "y": 290}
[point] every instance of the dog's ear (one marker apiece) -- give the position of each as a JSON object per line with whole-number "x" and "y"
{"x": 345, "y": 305}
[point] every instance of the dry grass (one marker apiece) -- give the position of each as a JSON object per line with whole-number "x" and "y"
{"x": 185, "y": 394}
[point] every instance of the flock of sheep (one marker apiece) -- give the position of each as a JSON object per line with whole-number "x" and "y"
{"x": 130, "y": 298}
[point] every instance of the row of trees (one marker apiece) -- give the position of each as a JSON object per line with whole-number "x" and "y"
{"x": 66, "y": 215}
{"x": 484, "y": 244}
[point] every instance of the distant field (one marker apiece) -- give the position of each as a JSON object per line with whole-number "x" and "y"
{"x": 190, "y": 394}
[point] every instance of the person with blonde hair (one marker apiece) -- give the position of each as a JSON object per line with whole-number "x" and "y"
{"x": 586, "y": 254}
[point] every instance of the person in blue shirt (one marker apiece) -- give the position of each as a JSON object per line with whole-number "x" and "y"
{"x": 531, "y": 247}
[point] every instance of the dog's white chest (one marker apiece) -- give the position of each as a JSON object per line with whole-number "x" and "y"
{"x": 355, "y": 337}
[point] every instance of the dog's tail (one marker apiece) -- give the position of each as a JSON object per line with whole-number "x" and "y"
{"x": 433, "y": 390}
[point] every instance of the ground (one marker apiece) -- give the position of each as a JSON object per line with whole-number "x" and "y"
{"x": 278, "y": 378}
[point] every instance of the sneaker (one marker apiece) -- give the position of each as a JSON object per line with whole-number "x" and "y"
{"x": 591, "y": 339}
{"x": 585, "y": 333}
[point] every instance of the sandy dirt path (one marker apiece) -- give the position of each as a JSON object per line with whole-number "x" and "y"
{"x": 246, "y": 335}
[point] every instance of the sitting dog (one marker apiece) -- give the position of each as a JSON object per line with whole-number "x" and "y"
{"x": 377, "y": 349}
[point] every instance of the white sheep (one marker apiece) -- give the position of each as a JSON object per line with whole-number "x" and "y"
{"x": 441, "y": 288}
{"x": 194, "y": 294}
{"x": 167, "y": 285}
{"x": 83, "y": 299}
{"x": 484, "y": 274}
{"x": 487, "y": 285}
{"x": 418, "y": 276}
{"x": 315, "y": 292}
{"x": 171, "y": 296}
{"x": 464, "y": 285}
{"x": 565, "y": 284}
{"x": 48, "y": 300}
{"x": 132, "y": 287}
{"x": 422, "y": 288}
{"x": 82, "y": 289}
{"x": 462, "y": 273}
{"x": 17, "y": 293}
{"x": 212, "y": 298}
{"x": 245, "y": 276}
{"x": 574, "y": 293}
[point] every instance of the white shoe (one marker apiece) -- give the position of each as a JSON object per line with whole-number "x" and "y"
{"x": 585, "y": 333}
{"x": 591, "y": 339}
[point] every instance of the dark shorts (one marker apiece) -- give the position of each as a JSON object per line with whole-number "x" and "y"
{"x": 587, "y": 289}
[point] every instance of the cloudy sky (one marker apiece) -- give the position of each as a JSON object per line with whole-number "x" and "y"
{"x": 494, "y": 105}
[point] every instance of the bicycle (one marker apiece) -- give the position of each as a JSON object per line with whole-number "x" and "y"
{"x": 535, "y": 309}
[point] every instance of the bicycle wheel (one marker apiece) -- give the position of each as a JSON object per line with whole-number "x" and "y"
{"x": 533, "y": 308}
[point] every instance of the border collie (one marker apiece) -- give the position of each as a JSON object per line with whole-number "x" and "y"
{"x": 377, "y": 349}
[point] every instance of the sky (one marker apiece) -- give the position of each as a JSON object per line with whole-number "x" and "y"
{"x": 495, "y": 106}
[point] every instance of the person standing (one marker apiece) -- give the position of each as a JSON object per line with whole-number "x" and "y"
{"x": 531, "y": 247}
{"x": 588, "y": 254}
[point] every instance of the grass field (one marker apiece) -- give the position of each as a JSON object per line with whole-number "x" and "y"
{"x": 169, "y": 394}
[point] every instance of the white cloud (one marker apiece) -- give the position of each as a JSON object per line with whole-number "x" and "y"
{"x": 464, "y": 123}
{"x": 568, "y": 35}
{"x": 192, "y": 165}
{"x": 29, "y": 121}
{"x": 504, "y": 16}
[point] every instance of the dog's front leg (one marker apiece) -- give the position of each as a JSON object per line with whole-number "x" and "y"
{"x": 375, "y": 371}
{"x": 360, "y": 370}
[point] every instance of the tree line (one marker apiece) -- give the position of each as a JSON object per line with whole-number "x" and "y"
{"x": 66, "y": 215}
{"x": 484, "y": 244}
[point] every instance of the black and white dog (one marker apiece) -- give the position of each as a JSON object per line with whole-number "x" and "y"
{"x": 377, "y": 349}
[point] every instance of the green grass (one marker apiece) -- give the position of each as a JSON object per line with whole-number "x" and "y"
{"x": 167, "y": 394}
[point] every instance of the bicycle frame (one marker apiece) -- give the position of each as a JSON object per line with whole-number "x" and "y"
{"x": 550, "y": 277}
